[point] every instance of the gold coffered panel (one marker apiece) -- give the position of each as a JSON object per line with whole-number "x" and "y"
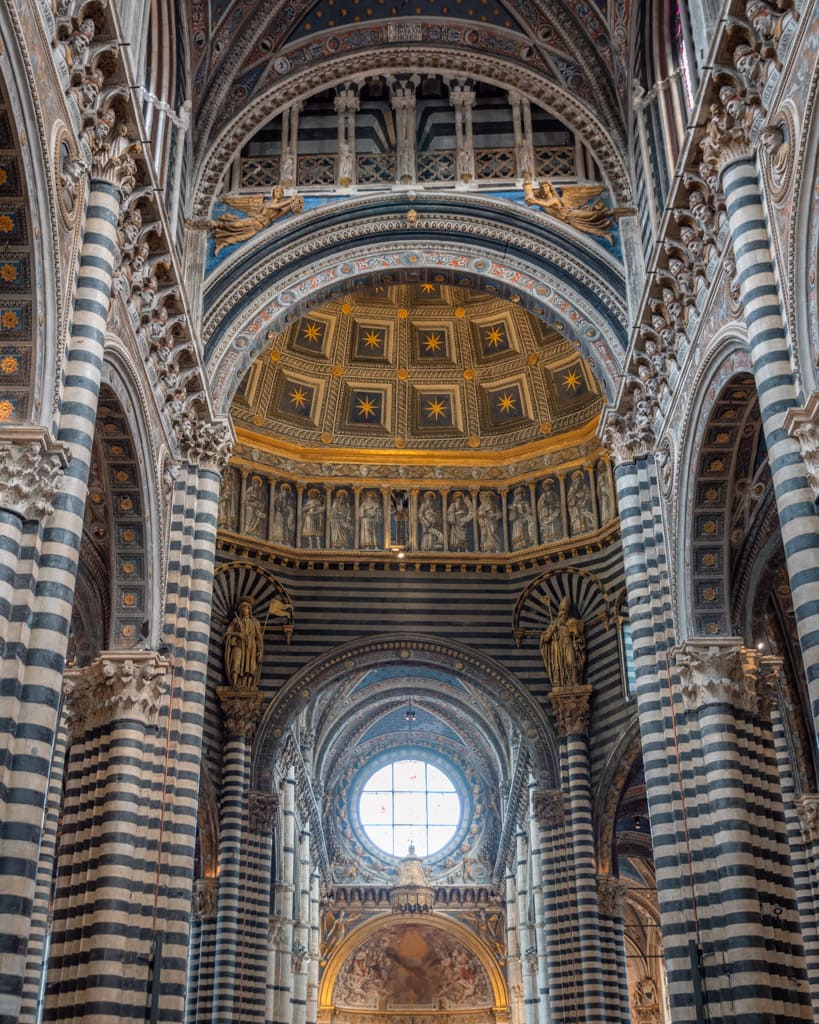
{"x": 426, "y": 368}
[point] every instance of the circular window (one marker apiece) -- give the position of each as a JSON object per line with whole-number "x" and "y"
{"x": 409, "y": 801}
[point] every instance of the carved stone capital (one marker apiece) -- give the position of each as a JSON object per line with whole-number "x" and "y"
{"x": 241, "y": 709}
{"x": 611, "y": 895}
{"x": 118, "y": 686}
{"x": 807, "y": 807}
{"x": 206, "y": 443}
{"x": 31, "y": 467}
{"x": 205, "y": 898}
{"x": 727, "y": 138}
{"x": 718, "y": 671}
{"x": 547, "y": 807}
{"x": 628, "y": 436}
{"x": 803, "y": 425}
{"x": 261, "y": 811}
{"x": 571, "y": 707}
{"x": 113, "y": 153}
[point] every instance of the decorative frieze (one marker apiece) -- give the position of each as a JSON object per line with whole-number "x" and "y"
{"x": 116, "y": 687}
{"x": 262, "y": 811}
{"x": 31, "y": 467}
{"x": 571, "y": 707}
{"x": 718, "y": 671}
{"x": 242, "y": 709}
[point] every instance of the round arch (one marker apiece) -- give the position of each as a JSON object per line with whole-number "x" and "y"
{"x": 502, "y": 690}
{"x": 729, "y": 356}
{"x": 453, "y": 928}
{"x": 554, "y": 288}
{"x": 335, "y": 70}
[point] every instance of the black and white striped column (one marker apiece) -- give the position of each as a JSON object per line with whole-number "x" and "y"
{"x": 241, "y": 710}
{"x": 571, "y": 708}
{"x": 776, "y": 388}
{"x": 610, "y": 896}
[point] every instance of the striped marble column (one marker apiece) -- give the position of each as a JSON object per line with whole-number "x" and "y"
{"x": 571, "y": 708}
{"x": 39, "y": 556}
{"x": 527, "y": 943}
{"x": 204, "y": 908}
{"x": 538, "y": 936}
{"x": 301, "y": 932}
{"x": 313, "y": 966}
{"x": 776, "y": 388}
{"x": 103, "y": 939}
{"x": 611, "y": 894}
{"x": 41, "y": 910}
{"x": 557, "y": 925}
{"x": 241, "y": 709}
{"x": 669, "y": 760}
{"x": 263, "y": 809}
{"x": 280, "y": 968}
{"x": 513, "y": 950}
{"x": 750, "y": 974}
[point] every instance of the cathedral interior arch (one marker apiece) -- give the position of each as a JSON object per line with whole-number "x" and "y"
{"x": 409, "y": 549}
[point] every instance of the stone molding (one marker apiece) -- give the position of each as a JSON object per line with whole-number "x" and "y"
{"x": 611, "y": 895}
{"x": 571, "y": 706}
{"x": 118, "y": 686}
{"x": 803, "y": 425}
{"x": 262, "y": 809}
{"x": 807, "y": 808}
{"x": 205, "y": 900}
{"x": 242, "y": 710}
{"x": 718, "y": 671}
{"x": 31, "y": 468}
{"x": 547, "y": 807}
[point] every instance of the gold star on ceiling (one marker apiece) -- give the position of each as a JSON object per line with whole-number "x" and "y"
{"x": 367, "y": 406}
{"x": 572, "y": 380}
{"x": 427, "y": 287}
{"x": 372, "y": 339}
{"x": 506, "y": 403}
{"x": 436, "y": 408}
{"x": 432, "y": 342}
{"x": 312, "y": 332}
{"x": 494, "y": 336}
{"x": 298, "y": 396}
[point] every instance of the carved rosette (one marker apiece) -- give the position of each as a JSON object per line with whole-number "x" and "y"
{"x": 242, "y": 709}
{"x": 117, "y": 687}
{"x": 803, "y": 425}
{"x": 31, "y": 468}
{"x": 261, "y": 811}
{"x": 611, "y": 895}
{"x": 807, "y": 807}
{"x": 571, "y": 708}
{"x": 718, "y": 671}
{"x": 205, "y": 898}
{"x": 547, "y": 807}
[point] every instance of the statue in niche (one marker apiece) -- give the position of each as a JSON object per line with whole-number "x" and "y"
{"x": 312, "y": 519}
{"x": 259, "y": 212}
{"x": 548, "y": 513}
{"x": 578, "y": 500}
{"x": 341, "y": 520}
{"x": 429, "y": 517}
{"x": 458, "y": 517}
{"x": 489, "y": 519}
{"x": 563, "y": 648}
{"x": 283, "y": 525}
{"x": 243, "y": 648}
{"x": 400, "y": 518}
{"x": 604, "y": 498}
{"x": 522, "y": 531}
{"x": 370, "y": 516}
{"x": 227, "y": 499}
{"x": 255, "y": 505}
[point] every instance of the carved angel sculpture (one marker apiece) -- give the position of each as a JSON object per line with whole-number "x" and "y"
{"x": 260, "y": 212}
{"x": 576, "y": 205}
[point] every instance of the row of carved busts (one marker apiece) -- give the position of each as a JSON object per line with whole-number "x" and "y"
{"x": 480, "y": 520}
